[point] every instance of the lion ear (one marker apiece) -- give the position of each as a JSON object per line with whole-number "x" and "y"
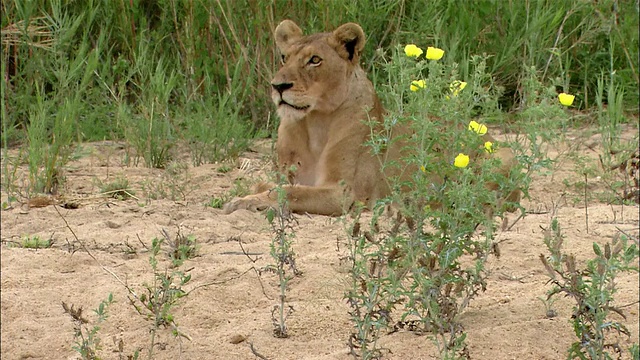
{"x": 286, "y": 33}
{"x": 349, "y": 41}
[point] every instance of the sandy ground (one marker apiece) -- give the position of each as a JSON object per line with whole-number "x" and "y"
{"x": 230, "y": 305}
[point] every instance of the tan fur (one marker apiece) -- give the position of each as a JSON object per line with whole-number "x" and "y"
{"x": 323, "y": 98}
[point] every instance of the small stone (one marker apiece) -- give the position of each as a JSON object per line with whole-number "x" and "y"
{"x": 237, "y": 339}
{"x": 112, "y": 224}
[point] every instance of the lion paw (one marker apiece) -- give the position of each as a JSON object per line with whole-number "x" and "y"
{"x": 244, "y": 203}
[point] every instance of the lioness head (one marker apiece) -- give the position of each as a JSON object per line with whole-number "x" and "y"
{"x": 314, "y": 69}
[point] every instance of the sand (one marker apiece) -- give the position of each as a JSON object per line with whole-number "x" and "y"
{"x": 229, "y": 305}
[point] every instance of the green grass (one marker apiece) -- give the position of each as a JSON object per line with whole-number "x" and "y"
{"x": 117, "y": 189}
{"x": 35, "y": 242}
{"x": 155, "y": 73}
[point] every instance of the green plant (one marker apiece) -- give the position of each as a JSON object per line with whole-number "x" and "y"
{"x": 175, "y": 183}
{"x": 424, "y": 269}
{"x": 161, "y": 296}
{"x": 593, "y": 289}
{"x": 282, "y": 222}
{"x": 10, "y": 175}
{"x": 240, "y": 188}
{"x": 369, "y": 279}
{"x": 549, "y": 310}
{"x": 223, "y": 169}
{"x": 87, "y": 339}
{"x": 181, "y": 248}
{"x": 151, "y": 132}
{"x": 635, "y": 351}
{"x": 117, "y": 189}
{"x": 216, "y": 202}
{"x": 35, "y": 242}
{"x": 542, "y": 123}
{"x": 627, "y": 162}
{"x": 214, "y": 130}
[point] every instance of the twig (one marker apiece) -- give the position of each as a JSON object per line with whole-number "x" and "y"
{"x": 630, "y": 236}
{"x": 241, "y": 253}
{"x": 221, "y": 281}
{"x": 256, "y": 353}
{"x": 120, "y": 190}
{"x": 264, "y": 292}
{"x": 516, "y": 220}
{"x": 586, "y": 205}
{"x": 84, "y": 247}
{"x": 505, "y": 276}
{"x": 555, "y": 43}
{"x": 629, "y": 304}
{"x": 246, "y": 253}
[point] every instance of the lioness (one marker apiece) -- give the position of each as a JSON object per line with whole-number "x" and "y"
{"x": 324, "y": 98}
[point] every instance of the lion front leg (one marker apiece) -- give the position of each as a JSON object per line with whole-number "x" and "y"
{"x": 321, "y": 200}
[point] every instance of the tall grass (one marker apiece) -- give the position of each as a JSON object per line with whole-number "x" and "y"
{"x": 156, "y": 73}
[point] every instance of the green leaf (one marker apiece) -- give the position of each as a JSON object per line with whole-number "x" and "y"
{"x": 271, "y": 214}
{"x": 596, "y": 249}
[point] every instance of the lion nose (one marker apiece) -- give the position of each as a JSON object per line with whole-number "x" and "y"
{"x": 282, "y": 86}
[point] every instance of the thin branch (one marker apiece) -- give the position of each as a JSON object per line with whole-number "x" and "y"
{"x": 256, "y": 353}
{"x": 84, "y": 247}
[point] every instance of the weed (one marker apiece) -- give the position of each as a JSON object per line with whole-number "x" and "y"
{"x": 423, "y": 270}
{"x": 175, "y": 183}
{"x": 223, "y": 169}
{"x": 161, "y": 296}
{"x": 46, "y": 158}
{"x": 154, "y": 305}
{"x": 10, "y": 177}
{"x": 282, "y": 222}
{"x": 181, "y": 248}
{"x": 628, "y": 165}
{"x": 86, "y": 337}
{"x": 593, "y": 289}
{"x": 216, "y": 202}
{"x": 117, "y": 189}
{"x": 139, "y": 62}
{"x": 617, "y": 171}
{"x": 635, "y": 351}
{"x": 370, "y": 309}
{"x": 214, "y": 130}
{"x": 240, "y": 188}
{"x": 35, "y": 242}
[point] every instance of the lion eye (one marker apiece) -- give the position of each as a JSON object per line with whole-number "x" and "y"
{"x": 315, "y": 60}
{"x": 283, "y": 59}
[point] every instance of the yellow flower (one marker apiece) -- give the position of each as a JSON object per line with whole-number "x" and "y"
{"x": 488, "y": 146}
{"x": 461, "y": 160}
{"x": 434, "y": 53}
{"x": 412, "y": 51}
{"x": 457, "y": 86}
{"x": 566, "y": 99}
{"x": 423, "y": 169}
{"x": 480, "y": 129}
{"x": 417, "y": 85}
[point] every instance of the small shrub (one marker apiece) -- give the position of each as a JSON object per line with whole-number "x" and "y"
{"x": 35, "y": 242}
{"x": 181, "y": 248}
{"x": 174, "y": 184}
{"x": 240, "y": 188}
{"x": 86, "y": 337}
{"x": 157, "y": 302}
{"x": 117, "y": 189}
{"x": 282, "y": 222}
{"x": 593, "y": 289}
